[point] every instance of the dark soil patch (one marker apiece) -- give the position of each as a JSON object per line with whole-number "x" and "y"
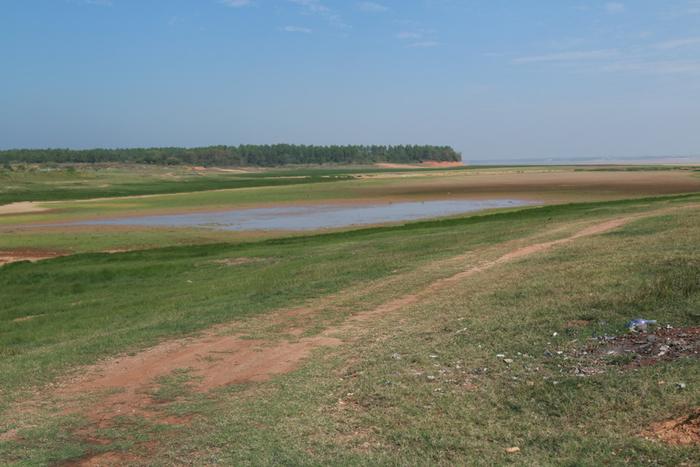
{"x": 642, "y": 349}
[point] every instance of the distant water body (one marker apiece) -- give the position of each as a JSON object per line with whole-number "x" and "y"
{"x": 314, "y": 217}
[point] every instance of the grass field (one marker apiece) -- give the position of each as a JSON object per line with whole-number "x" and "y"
{"x": 23, "y": 183}
{"x": 436, "y": 342}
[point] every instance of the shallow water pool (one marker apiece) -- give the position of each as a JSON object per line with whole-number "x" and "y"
{"x": 312, "y": 217}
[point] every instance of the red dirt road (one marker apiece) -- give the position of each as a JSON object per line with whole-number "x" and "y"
{"x": 219, "y": 360}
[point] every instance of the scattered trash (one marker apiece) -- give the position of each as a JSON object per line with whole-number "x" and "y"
{"x": 430, "y": 377}
{"x": 640, "y": 324}
{"x": 680, "y": 385}
{"x": 508, "y": 360}
{"x": 555, "y": 334}
{"x": 396, "y": 356}
{"x": 513, "y": 450}
{"x": 500, "y": 355}
{"x": 632, "y": 350}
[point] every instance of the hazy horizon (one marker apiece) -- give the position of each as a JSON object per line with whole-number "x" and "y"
{"x": 495, "y": 80}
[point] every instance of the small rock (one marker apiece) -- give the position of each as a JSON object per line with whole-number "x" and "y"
{"x": 513, "y": 450}
{"x": 500, "y": 355}
{"x": 680, "y": 385}
{"x": 663, "y": 350}
{"x": 555, "y": 334}
{"x": 396, "y": 356}
{"x": 431, "y": 377}
{"x": 508, "y": 360}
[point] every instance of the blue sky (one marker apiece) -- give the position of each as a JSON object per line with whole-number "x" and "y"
{"x": 496, "y": 79}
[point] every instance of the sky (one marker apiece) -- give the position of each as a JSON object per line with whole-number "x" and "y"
{"x": 495, "y": 79}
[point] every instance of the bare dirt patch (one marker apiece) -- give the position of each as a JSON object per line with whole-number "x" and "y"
{"x": 102, "y": 459}
{"x": 239, "y": 261}
{"x": 13, "y": 256}
{"x": 681, "y": 431}
{"x": 9, "y": 435}
{"x": 26, "y": 318}
{"x": 635, "y": 350}
{"x": 548, "y": 186}
{"x": 23, "y": 207}
{"x": 441, "y": 164}
{"x": 212, "y": 360}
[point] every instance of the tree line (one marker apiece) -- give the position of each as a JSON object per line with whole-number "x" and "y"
{"x": 243, "y": 155}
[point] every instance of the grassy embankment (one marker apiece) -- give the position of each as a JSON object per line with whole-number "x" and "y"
{"x": 359, "y": 403}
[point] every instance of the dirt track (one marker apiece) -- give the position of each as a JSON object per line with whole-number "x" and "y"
{"x": 216, "y": 360}
{"x": 123, "y": 385}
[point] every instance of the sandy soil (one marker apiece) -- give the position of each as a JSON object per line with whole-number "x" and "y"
{"x": 562, "y": 185}
{"x": 13, "y": 256}
{"x": 23, "y": 207}
{"x": 680, "y": 431}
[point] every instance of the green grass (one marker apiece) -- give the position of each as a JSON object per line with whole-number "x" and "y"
{"x": 86, "y": 181}
{"x": 108, "y": 302}
{"x": 60, "y": 184}
{"x": 450, "y": 400}
{"x": 88, "y": 306}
